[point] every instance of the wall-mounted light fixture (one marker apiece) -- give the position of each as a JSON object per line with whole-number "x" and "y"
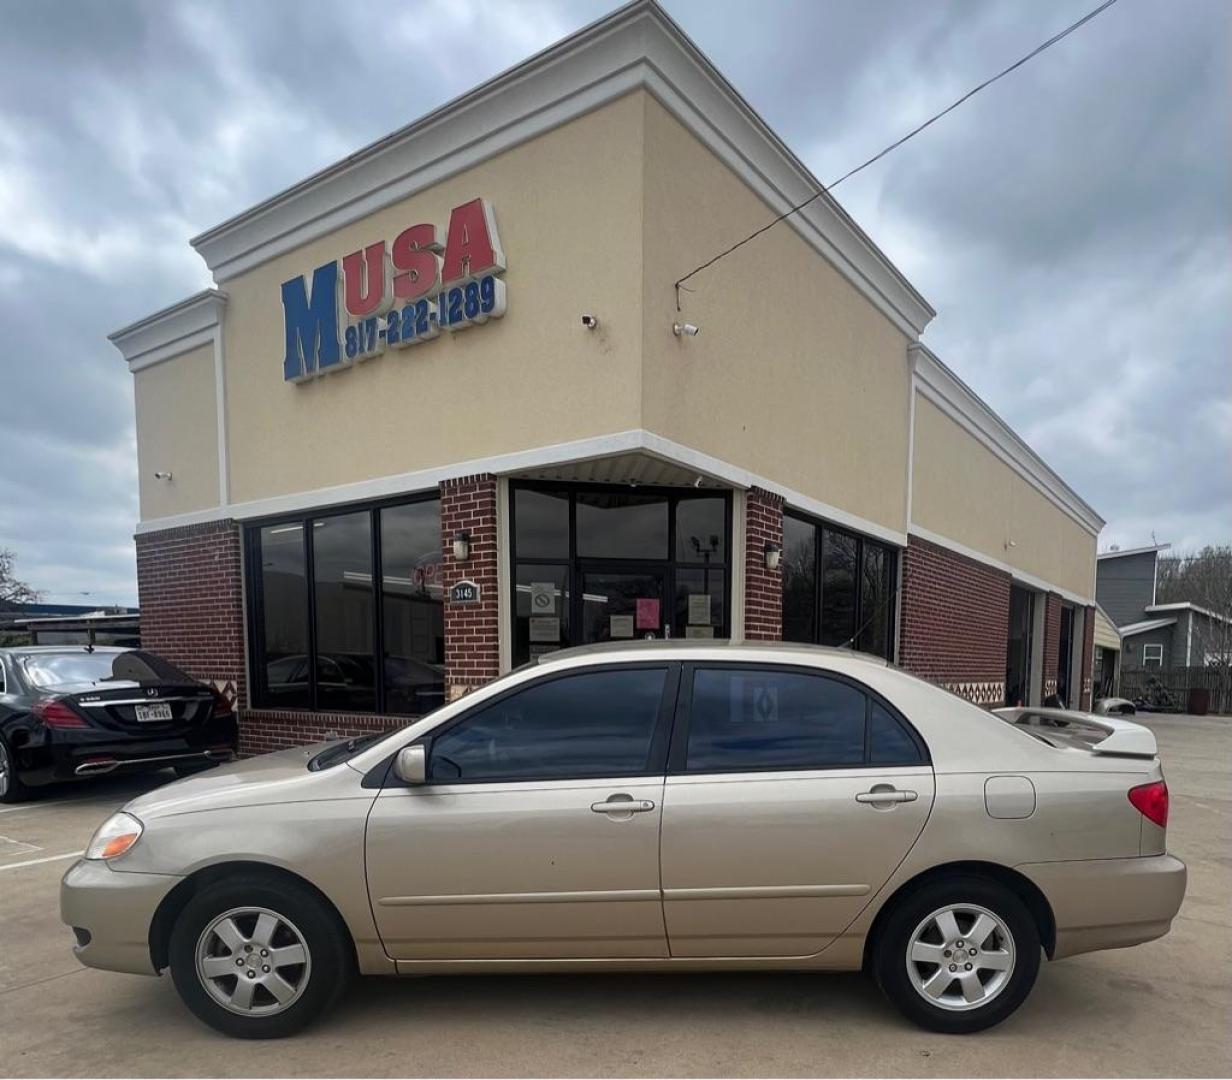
{"x": 462, "y": 546}
{"x": 162, "y": 476}
{"x": 774, "y": 553}
{"x": 685, "y": 329}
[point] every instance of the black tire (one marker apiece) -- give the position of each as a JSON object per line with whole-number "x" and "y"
{"x": 890, "y": 952}
{"x": 12, "y": 790}
{"x": 328, "y": 943}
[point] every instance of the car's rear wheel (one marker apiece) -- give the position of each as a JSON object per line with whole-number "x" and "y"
{"x": 958, "y": 955}
{"x": 258, "y": 957}
{"x": 11, "y": 788}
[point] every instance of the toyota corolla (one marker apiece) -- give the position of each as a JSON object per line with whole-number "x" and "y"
{"x": 656, "y": 807}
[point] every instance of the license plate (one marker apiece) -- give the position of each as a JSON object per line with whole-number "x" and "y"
{"x": 151, "y": 713}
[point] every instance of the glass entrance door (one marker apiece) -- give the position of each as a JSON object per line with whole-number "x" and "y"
{"x": 622, "y": 604}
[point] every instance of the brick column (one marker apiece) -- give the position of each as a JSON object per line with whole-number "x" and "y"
{"x": 1088, "y": 657}
{"x": 763, "y": 589}
{"x": 955, "y": 621}
{"x": 472, "y": 631}
{"x": 1052, "y": 642}
{"x": 190, "y": 590}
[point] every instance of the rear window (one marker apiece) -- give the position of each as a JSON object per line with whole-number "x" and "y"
{"x": 48, "y": 671}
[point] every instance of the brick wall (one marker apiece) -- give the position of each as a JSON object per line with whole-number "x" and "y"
{"x": 1088, "y": 656}
{"x": 472, "y": 631}
{"x": 763, "y": 589}
{"x": 263, "y": 730}
{"x": 1052, "y": 642}
{"x": 190, "y": 590}
{"x": 955, "y": 621}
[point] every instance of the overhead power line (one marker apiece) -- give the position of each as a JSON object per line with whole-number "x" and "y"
{"x": 895, "y": 145}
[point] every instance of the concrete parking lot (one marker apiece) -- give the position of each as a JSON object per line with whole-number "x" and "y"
{"x": 1159, "y": 1009}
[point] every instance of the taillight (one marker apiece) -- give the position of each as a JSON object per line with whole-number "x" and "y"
{"x": 54, "y": 713}
{"x": 222, "y": 707}
{"x": 1151, "y": 801}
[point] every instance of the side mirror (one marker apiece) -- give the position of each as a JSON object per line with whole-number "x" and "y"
{"x": 411, "y": 765}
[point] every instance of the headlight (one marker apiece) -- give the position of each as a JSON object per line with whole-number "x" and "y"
{"x": 114, "y": 836}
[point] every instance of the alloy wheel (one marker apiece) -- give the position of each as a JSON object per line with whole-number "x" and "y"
{"x": 5, "y": 770}
{"x": 960, "y": 957}
{"x": 253, "y": 961}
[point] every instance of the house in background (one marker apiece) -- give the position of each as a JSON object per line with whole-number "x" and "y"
{"x": 1106, "y": 666}
{"x": 1152, "y": 635}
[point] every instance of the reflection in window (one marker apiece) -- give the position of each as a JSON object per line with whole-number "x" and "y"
{"x": 541, "y": 524}
{"x": 701, "y": 530}
{"x": 701, "y": 603}
{"x": 342, "y": 573}
{"x": 331, "y": 661}
{"x": 618, "y": 525}
{"x": 284, "y": 609}
{"x": 598, "y": 723}
{"x": 752, "y": 718}
{"x": 799, "y": 563}
{"x": 838, "y": 588}
{"x": 413, "y": 608}
{"x": 541, "y": 609}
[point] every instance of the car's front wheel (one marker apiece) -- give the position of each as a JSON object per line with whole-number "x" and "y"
{"x": 258, "y": 957}
{"x": 958, "y": 955}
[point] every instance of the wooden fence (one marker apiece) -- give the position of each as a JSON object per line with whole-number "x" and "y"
{"x": 1171, "y": 686}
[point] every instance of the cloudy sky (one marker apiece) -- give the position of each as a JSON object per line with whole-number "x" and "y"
{"x": 1071, "y": 225}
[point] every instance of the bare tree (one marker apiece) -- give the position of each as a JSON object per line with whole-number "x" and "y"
{"x": 13, "y": 593}
{"x": 1204, "y": 579}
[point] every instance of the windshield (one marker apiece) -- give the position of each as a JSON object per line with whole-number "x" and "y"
{"x": 51, "y": 670}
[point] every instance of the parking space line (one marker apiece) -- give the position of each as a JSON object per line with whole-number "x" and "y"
{"x": 45, "y": 805}
{"x": 44, "y": 859}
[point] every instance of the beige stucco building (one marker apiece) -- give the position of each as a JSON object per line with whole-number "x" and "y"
{"x": 343, "y": 526}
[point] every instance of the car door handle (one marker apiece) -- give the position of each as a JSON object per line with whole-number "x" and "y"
{"x": 886, "y": 795}
{"x": 622, "y": 806}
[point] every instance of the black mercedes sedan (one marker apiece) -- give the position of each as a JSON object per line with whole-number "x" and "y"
{"x": 68, "y": 712}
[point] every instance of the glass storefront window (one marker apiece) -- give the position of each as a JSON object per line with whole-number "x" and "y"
{"x": 284, "y": 623}
{"x": 641, "y": 563}
{"x": 701, "y": 530}
{"x": 621, "y": 525}
{"x": 413, "y": 610}
{"x": 321, "y": 604}
{"x": 342, "y": 577}
{"x": 838, "y": 588}
{"x": 542, "y": 524}
{"x": 541, "y": 610}
{"x": 799, "y": 564}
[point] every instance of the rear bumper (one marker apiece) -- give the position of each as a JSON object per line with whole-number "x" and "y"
{"x": 115, "y": 911}
{"x": 1110, "y": 903}
{"x": 74, "y": 754}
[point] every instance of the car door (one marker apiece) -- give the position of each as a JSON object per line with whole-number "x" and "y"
{"x": 537, "y": 832}
{"x": 792, "y": 795}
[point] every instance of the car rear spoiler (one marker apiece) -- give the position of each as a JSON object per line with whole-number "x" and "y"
{"x": 1099, "y": 734}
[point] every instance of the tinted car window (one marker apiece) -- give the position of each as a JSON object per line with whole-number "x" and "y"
{"x": 50, "y": 670}
{"x": 597, "y": 723}
{"x": 889, "y": 743}
{"x": 749, "y": 718}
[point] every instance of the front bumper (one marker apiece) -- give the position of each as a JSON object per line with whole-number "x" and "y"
{"x": 115, "y": 909}
{"x": 1110, "y": 903}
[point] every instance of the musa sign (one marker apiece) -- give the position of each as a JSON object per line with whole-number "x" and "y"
{"x": 394, "y": 294}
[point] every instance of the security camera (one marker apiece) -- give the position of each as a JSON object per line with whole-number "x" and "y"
{"x": 685, "y": 329}
{"x": 162, "y": 476}
{"x": 589, "y": 321}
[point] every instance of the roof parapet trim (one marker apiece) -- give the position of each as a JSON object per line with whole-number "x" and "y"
{"x": 955, "y": 398}
{"x": 1145, "y": 549}
{"x": 173, "y": 331}
{"x": 637, "y": 46}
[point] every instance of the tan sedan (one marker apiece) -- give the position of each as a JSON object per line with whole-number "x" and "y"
{"x": 659, "y": 807}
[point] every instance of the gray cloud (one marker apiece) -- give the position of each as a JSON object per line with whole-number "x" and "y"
{"x": 1071, "y": 224}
